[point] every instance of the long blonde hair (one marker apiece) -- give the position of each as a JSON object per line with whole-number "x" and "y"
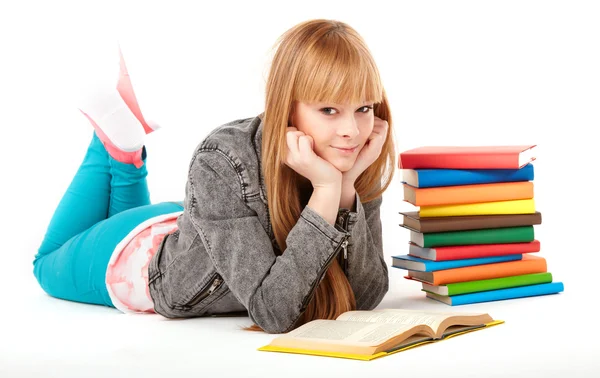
{"x": 319, "y": 61}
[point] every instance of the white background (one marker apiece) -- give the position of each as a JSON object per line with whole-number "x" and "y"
{"x": 456, "y": 73}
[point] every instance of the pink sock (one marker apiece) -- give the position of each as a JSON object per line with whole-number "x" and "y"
{"x": 125, "y": 89}
{"x": 134, "y": 157}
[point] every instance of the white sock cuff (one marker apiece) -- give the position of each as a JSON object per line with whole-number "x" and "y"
{"x": 110, "y": 112}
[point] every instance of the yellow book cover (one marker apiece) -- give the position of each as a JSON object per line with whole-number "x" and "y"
{"x": 367, "y": 335}
{"x": 525, "y": 206}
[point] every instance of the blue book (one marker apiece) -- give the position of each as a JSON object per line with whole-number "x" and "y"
{"x": 497, "y": 295}
{"x": 421, "y": 265}
{"x": 428, "y": 178}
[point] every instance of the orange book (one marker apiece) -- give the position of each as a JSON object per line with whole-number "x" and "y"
{"x": 529, "y": 264}
{"x": 449, "y": 195}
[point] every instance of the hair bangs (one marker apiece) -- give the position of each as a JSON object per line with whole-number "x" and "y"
{"x": 334, "y": 71}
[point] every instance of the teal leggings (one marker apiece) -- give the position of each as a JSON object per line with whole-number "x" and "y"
{"x": 104, "y": 202}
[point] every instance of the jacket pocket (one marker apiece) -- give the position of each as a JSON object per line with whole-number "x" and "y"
{"x": 201, "y": 298}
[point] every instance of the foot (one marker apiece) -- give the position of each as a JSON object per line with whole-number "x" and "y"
{"x": 135, "y": 157}
{"x": 114, "y": 122}
{"x": 117, "y": 119}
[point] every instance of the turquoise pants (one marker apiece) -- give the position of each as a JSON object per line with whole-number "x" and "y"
{"x": 104, "y": 202}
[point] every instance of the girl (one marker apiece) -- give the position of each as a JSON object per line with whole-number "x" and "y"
{"x": 281, "y": 214}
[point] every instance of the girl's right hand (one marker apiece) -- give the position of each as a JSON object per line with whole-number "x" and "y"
{"x": 302, "y": 159}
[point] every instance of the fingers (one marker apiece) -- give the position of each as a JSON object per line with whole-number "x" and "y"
{"x": 300, "y": 145}
{"x": 375, "y": 141}
{"x": 380, "y": 128}
{"x": 292, "y": 141}
{"x": 305, "y": 144}
{"x": 380, "y": 125}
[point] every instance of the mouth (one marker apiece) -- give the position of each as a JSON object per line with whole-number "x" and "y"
{"x": 347, "y": 150}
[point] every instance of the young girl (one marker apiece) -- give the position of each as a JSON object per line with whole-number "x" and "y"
{"x": 281, "y": 215}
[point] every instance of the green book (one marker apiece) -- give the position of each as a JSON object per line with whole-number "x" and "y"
{"x": 470, "y": 237}
{"x": 486, "y": 285}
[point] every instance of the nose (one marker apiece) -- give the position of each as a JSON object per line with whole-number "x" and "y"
{"x": 348, "y": 128}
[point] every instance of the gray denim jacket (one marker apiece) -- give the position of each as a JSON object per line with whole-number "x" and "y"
{"x": 221, "y": 260}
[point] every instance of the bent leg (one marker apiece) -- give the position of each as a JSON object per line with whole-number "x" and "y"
{"x": 101, "y": 188}
{"x": 85, "y": 201}
{"x": 76, "y": 271}
{"x": 128, "y": 186}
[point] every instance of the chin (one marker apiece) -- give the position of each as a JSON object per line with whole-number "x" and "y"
{"x": 343, "y": 167}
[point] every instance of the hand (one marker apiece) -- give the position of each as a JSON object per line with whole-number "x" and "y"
{"x": 369, "y": 153}
{"x": 302, "y": 159}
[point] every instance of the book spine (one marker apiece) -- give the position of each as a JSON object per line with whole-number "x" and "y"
{"x": 511, "y": 293}
{"x": 476, "y": 251}
{"x": 482, "y": 272}
{"x": 429, "y": 178}
{"x": 486, "y": 160}
{"x": 464, "y": 194}
{"x": 432, "y": 266}
{"x": 524, "y": 206}
{"x": 475, "y": 222}
{"x": 498, "y": 283}
{"x": 486, "y": 236}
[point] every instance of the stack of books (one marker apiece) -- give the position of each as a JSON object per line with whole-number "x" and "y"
{"x": 472, "y": 239}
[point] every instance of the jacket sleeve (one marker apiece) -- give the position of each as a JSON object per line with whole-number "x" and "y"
{"x": 274, "y": 289}
{"x": 367, "y": 271}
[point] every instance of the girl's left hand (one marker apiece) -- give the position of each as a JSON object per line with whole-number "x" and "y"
{"x": 370, "y": 151}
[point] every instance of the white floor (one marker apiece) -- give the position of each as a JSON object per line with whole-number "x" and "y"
{"x": 46, "y": 337}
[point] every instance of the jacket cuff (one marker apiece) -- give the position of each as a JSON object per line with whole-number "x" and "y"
{"x": 334, "y": 233}
{"x": 346, "y": 219}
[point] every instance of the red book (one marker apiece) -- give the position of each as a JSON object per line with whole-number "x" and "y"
{"x": 459, "y": 252}
{"x": 466, "y": 157}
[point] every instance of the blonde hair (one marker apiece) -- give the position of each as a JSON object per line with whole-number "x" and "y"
{"x": 319, "y": 61}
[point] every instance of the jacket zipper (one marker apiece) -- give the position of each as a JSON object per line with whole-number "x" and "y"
{"x": 205, "y": 293}
{"x": 342, "y": 244}
{"x": 345, "y": 245}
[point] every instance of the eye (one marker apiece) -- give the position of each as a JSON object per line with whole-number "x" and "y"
{"x": 326, "y": 110}
{"x": 322, "y": 109}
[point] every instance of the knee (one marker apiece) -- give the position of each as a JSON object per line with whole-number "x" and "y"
{"x": 39, "y": 267}
{"x": 37, "y": 270}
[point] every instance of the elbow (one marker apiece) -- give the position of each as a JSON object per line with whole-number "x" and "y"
{"x": 374, "y": 298}
{"x": 268, "y": 325}
{"x": 380, "y": 292}
{"x": 273, "y": 318}
{"x": 377, "y": 290}
{"x": 385, "y": 287}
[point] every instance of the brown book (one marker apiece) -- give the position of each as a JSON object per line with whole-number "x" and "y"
{"x": 413, "y": 222}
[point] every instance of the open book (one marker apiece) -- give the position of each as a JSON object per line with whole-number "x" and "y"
{"x": 366, "y": 335}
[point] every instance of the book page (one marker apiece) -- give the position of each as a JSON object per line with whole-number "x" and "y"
{"x": 432, "y": 319}
{"x": 347, "y": 333}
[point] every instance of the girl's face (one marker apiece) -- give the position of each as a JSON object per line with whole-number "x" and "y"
{"x": 339, "y": 131}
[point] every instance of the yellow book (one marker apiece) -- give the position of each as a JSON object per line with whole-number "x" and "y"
{"x": 524, "y": 206}
{"x": 367, "y": 335}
